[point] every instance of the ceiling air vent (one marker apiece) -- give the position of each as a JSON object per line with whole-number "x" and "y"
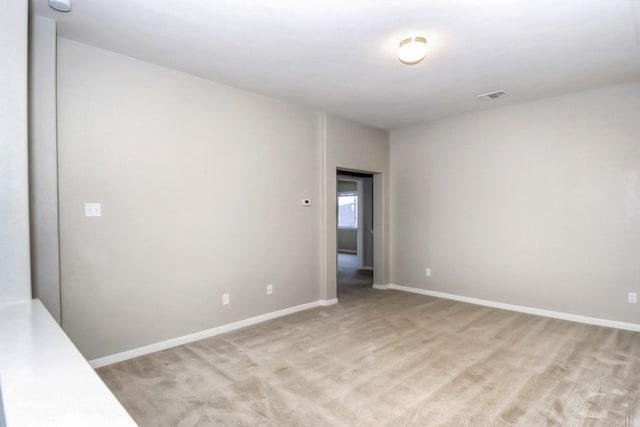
{"x": 492, "y": 95}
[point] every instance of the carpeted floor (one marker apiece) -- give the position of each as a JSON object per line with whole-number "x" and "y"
{"x": 391, "y": 358}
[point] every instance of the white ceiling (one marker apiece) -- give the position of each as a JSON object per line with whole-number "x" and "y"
{"x": 340, "y": 55}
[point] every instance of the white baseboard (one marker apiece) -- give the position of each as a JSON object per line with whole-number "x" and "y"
{"x": 185, "y": 339}
{"x": 381, "y": 287}
{"x": 519, "y": 308}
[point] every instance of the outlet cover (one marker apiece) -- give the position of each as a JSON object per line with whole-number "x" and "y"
{"x": 269, "y": 289}
{"x": 225, "y": 299}
{"x": 92, "y": 209}
{"x": 428, "y": 272}
{"x": 633, "y": 298}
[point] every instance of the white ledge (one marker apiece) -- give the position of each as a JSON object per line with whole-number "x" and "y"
{"x": 44, "y": 380}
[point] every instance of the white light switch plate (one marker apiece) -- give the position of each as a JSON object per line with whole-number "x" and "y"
{"x": 92, "y": 209}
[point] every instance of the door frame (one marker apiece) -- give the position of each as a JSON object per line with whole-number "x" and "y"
{"x": 329, "y": 242}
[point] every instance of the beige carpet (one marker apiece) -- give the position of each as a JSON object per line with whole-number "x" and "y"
{"x": 391, "y": 358}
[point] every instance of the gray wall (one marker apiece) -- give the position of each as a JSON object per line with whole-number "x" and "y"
{"x": 347, "y": 238}
{"x": 15, "y": 275}
{"x": 535, "y": 205}
{"x": 43, "y": 164}
{"x": 156, "y": 147}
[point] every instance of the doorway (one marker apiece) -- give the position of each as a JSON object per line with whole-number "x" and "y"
{"x": 354, "y": 233}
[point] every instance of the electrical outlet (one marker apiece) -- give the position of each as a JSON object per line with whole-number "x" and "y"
{"x": 92, "y": 209}
{"x": 428, "y": 272}
{"x": 633, "y": 298}
{"x": 269, "y": 289}
{"x": 225, "y": 299}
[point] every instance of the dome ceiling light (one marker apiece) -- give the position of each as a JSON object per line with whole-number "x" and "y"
{"x": 60, "y": 5}
{"x": 412, "y": 50}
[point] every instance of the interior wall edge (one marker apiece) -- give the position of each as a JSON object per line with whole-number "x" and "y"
{"x": 43, "y": 167}
{"x": 15, "y": 267}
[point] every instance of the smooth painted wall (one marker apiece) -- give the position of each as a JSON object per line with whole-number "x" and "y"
{"x": 156, "y": 148}
{"x": 347, "y": 240}
{"x": 43, "y": 164}
{"x": 15, "y": 270}
{"x": 535, "y": 205}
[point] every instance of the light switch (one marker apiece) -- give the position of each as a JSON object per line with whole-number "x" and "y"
{"x": 92, "y": 209}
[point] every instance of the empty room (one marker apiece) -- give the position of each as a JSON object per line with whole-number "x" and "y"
{"x": 336, "y": 213}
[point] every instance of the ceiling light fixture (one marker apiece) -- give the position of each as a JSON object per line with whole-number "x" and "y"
{"x": 412, "y": 50}
{"x": 60, "y": 5}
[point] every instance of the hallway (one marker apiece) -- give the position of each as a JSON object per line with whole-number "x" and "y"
{"x": 349, "y": 276}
